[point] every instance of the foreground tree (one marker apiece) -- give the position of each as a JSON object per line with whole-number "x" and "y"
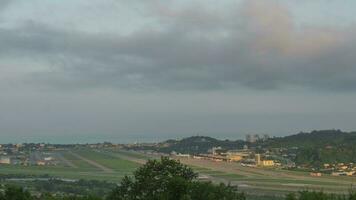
{"x": 15, "y": 193}
{"x": 168, "y": 179}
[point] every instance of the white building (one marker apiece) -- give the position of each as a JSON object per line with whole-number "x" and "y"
{"x": 5, "y": 160}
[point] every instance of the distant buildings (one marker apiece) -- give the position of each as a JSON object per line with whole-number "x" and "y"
{"x": 252, "y": 138}
{"x": 217, "y": 151}
{"x": 343, "y": 173}
{"x": 5, "y": 160}
{"x": 315, "y": 174}
{"x": 263, "y": 163}
{"x": 258, "y": 159}
{"x": 267, "y": 163}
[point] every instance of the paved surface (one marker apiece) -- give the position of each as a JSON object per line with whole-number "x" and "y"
{"x": 266, "y": 181}
{"x": 271, "y": 179}
{"x": 103, "y": 168}
{"x": 124, "y": 157}
{"x": 66, "y": 161}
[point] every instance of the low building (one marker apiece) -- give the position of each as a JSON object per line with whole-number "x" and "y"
{"x": 234, "y": 157}
{"x": 5, "y": 160}
{"x": 263, "y": 163}
{"x": 343, "y": 167}
{"x": 183, "y": 155}
{"x": 267, "y": 163}
{"x": 342, "y": 173}
{"x": 315, "y": 174}
{"x": 41, "y": 163}
{"x": 49, "y": 158}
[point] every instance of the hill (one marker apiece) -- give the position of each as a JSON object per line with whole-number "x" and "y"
{"x": 308, "y": 149}
{"x": 190, "y": 145}
{"x": 199, "y": 144}
{"x": 319, "y": 147}
{"x": 321, "y": 138}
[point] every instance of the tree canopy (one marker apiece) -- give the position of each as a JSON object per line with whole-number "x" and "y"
{"x": 168, "y": 179}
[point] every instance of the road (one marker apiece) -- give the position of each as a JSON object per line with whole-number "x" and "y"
{"x": 66, "y": 161}
{"x": 252, "y": 179}
{"x": 101, "y": 167}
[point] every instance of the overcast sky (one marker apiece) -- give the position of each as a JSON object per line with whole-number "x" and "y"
{"x": 118, "y": 70}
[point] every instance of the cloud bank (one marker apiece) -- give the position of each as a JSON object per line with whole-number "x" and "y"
{"x": 255, "y": 44}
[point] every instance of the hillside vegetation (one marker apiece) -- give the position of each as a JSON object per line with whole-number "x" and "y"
{"x": 199, "y": 144}
{"x": 318, "y": 147}
{"x": 311, "y": 149}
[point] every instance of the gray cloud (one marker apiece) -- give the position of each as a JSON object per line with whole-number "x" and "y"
{"x": 255, "y": 45}
{"x": 4, "y": 4}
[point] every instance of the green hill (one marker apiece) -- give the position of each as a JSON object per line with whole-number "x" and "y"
{"x": 310, "y": 149}
{"x": 199, "y": 144}
{"x": 319, "y": 147}
{"x": 321, "y": 138}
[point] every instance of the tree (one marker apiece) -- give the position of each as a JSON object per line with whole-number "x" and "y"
{"x": 168, "y": 179}
{"x": 15, "y": 193}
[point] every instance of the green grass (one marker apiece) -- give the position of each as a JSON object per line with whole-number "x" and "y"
{"x": 229, "y": 176}
{"x": 131, "y": 154}
{"x": 198, "y": 168}
{"x": 60, "y": 172}
{"x": 259, "y": 179}
{"x": 82, "y": 169}
{"x": 82, "y": 165}
{"x": 114, "y": 163}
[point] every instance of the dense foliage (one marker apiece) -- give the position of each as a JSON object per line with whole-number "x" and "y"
{"x": 192, "y": 145}
{"x": 320, "y": 138}
{"x": 81, "y": 187}
{"x": 319, "y": 147}
{"x": 170, "y": 180}
{"x": 48, "y": 184}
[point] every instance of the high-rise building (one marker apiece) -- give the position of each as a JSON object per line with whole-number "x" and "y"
{"x": 265, "y": 137}
{"x": 258, "y": 159}
{"x": 251, "y": 138}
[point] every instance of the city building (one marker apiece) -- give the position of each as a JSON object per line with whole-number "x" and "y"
{"x": 233, "y": 157}
{"x": 315, "y": 174}
{"x": 258, "y": 159}
{"x": 263, "y": 163}
{"x": 251, "y": 138}
{"x": 267, "y": 163}
{"x": 5, "y": 160}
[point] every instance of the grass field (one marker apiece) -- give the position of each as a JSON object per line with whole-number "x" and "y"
{"x": 267, "y": 180}
{"x": 113, "y": 165}
{"x": 73, "y": 167}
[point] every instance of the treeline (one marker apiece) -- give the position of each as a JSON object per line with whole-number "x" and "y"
{"x": 192, "y": 145}
{"x": 81, "y": 187}
{"x": 320, "y": 138}
{"x": 18, "y": 193}
{"x": 319, "y": 147}
{"x": 49, "y": 184}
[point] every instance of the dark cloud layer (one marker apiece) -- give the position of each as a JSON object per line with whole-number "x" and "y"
{"x": 3, "y": 4}
{"x": 256, "y": 45}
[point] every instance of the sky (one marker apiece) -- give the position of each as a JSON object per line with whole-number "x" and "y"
{"x": 122, "y": 71}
